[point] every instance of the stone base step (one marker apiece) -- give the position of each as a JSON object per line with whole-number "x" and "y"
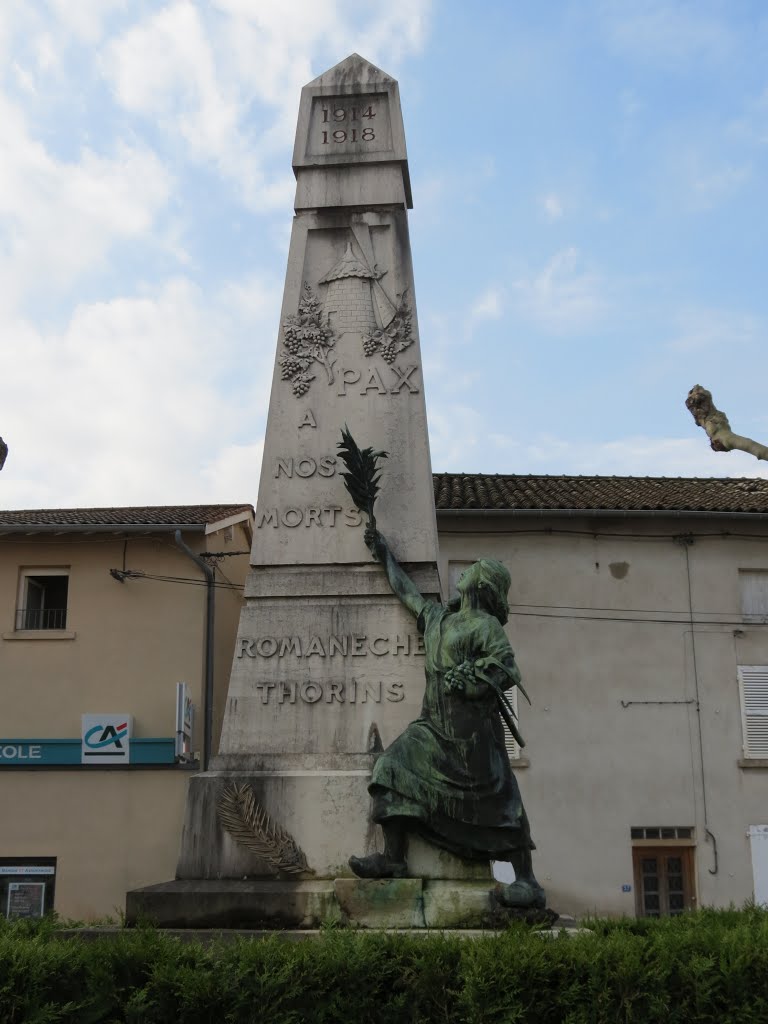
{"x": 386, "y": 903}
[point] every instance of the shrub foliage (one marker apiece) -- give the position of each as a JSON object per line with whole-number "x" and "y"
{"x": 711, "y": 966}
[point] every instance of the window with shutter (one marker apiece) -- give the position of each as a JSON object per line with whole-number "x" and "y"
{"x": 753, "y": 691}
{"x": 753, "y": 585}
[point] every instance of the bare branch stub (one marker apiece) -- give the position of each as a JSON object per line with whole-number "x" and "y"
{"x": 721, "y": 438}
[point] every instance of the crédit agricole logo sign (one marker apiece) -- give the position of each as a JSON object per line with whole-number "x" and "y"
{"x": 105, "y": 739}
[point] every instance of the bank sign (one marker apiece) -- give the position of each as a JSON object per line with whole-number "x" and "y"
{"x": 105, "y": 739}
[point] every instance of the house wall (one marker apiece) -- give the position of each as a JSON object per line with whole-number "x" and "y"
{"x": 125, "y": 647}
{"x": 601, "y": 615}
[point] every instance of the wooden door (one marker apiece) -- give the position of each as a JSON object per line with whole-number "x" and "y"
{"x": 663, "y": 880}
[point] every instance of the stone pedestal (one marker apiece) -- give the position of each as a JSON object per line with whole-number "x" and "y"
{"x": 352, "y": 902}
{"x": 380, "y": 902}
{"x": 230, "y": 903}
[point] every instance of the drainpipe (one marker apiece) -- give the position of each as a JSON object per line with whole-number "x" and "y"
{"x": 208, "y": 687}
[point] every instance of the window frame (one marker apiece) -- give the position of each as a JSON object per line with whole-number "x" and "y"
{"x": 753, "y": 615}
{"x": 759, "y": 677}
{"x": 26, "y": 573}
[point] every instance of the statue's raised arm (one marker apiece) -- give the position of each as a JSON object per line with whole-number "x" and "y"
{"x": 401, "y": 583}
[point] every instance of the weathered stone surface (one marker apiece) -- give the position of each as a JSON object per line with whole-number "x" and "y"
{"x": 380, "y": 902}
{"x": 233, "y": 904}
{"x": 328, "y": 666}
{"x": 294, "y": 690}
{"x": 324, "y": 810}
{"x": 458, "y": 904}
{"x": 427, "y": 861}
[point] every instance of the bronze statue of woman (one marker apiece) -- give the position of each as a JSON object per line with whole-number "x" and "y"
{"x": 447, "y": 777}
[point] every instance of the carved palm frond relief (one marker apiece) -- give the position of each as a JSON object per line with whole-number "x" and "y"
{"x": 249, "y": 825}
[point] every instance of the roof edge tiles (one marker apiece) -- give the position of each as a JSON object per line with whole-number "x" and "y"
{"x": 459, "y": 494}
{"x": 485, "y": 494}
{"x": 125, "y": 519}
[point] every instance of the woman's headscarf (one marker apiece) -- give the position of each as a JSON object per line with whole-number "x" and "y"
{"x": 494, "y": 578}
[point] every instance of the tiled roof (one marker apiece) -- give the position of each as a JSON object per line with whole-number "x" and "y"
{"x": 466, "y": 492}
{"x": 150, "y": 515}
{"x": 615, "y": 493}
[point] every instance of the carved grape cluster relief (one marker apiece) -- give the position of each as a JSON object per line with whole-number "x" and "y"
{"x": 307, "y": 339}
{"x": 393, "y": 339}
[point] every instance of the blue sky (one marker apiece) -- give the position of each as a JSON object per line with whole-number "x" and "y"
{"x": 589, "y": 232}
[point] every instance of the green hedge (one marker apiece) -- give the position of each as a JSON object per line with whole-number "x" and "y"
{"x": 711, "y": 966}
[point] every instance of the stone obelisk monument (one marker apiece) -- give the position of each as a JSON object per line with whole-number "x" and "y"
{"x": 328, "y": 666}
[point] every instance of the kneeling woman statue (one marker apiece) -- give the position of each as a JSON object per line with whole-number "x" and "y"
{"x": 447, "y": 777}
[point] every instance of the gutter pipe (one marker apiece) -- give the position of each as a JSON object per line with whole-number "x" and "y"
{"x": 595, "y": 513}
{"x": 116, "y": 528}
{"x": 447, "y": 513}
{"x": 209, "y": 609}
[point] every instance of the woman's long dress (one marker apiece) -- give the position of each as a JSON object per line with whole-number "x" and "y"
{"x": 449, "y": 771}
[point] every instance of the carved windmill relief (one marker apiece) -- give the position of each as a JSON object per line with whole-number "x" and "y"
{"x": 355, "y": 303}
{"x": 349, "y": 300}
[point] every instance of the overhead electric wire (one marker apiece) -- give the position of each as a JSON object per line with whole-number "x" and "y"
{"x": 136, "y": 574}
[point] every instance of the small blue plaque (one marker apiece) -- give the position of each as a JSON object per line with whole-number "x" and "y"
{"x": 626, "y": 888}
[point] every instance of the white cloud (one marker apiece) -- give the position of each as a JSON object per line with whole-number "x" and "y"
{"x": 699, "y": 329}
{"x": 23, "y": 77}
{"x": 197, "y": 73}
{"x": 565, "y": 297}
{"x": 454, "y": 437}
{"x": 552, "y": 206}
{"x": 164, "y": 67}
{"x": 139, "y": 400}
{"x": 752, "y": 125}
{"x": 58, "y": 218}
{"x": 234, "y": 471}
{"x": 488, "y": 306}
{"x": 715, "y": 184}
{"x": 85, "y": 19}
{"x": 628, "y": 456}
{"x": 464, "y": 439}
{"x": 673, "y": 33}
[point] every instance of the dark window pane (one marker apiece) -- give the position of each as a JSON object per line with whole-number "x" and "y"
{"x": 637, "y": 833}
{"x": 651, "y": 833}
{"x": 650, "y": 866}
{"x": 674, "y": 865}
{"x": 651, "y": 902}
{"x": 684, "y": 833}
{"x": 45, "y": 603}
{"x": 675, "y": 902}
{"x": 675, "y": 883}
{"x": 668, "y": 833}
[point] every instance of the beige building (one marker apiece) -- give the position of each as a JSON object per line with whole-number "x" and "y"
{"x": 102, "y": 613}
{"x": 639, "y": 611}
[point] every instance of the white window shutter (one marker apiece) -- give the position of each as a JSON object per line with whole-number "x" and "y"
{"x": 754, "y": 594}
{"x": 753, "y": 688}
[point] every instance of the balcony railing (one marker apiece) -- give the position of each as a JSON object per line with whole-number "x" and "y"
{"x": 41, "y": 618}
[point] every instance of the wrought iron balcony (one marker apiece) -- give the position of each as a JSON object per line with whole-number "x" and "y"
{"x": 41, "y": 618}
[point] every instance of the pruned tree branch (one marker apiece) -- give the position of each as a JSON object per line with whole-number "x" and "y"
{"x": 715, "y": 422}
{"x": 3, "y": 452}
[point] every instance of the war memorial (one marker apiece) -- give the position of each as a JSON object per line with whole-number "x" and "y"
{"x": 362, "y": 775}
